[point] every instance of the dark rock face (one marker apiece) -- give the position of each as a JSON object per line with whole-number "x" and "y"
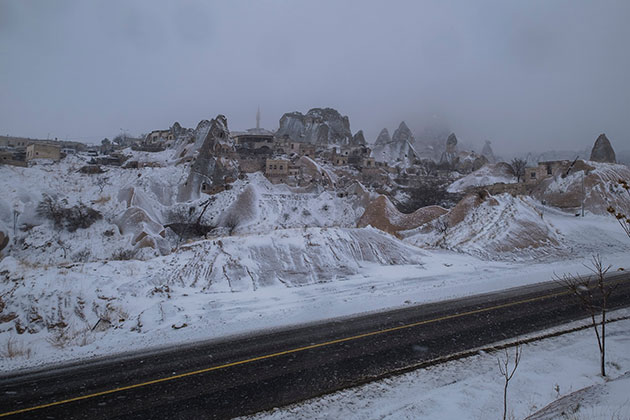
{"x": 207, "y": 168}
{"x": 358, "y": 138}
{"x": 396, "y": 150}
{"x": 403, "y": 134}
{"x": 177, "y": 130}
{"x": 450, "y": 154}
{"x": 383, "y": 137}
{"x": 602, "y": 150}
{"x": 318, "y": 126}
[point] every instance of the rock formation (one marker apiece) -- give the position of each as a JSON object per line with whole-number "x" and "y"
{"x": 383, "y": 137}
{"x": 358, "y": 138}
{"x": 397, "y": 150}
{"x": 602, "y": 150}
{"x": 318, "y": 126}
{"x": 450, "y": 153}
{"x": 209, "y": 170}
{"x": 383, "y": 215}
{"x": 488, "y": 153}
{"x": 403, "y": 134}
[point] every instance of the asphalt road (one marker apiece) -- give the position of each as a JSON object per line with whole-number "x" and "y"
{"x": 223, "y": 379}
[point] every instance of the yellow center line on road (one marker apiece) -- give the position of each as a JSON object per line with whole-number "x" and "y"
{"x": 282, "y": 353}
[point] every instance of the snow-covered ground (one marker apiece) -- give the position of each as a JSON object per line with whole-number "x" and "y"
{"x": 293, "y": 256}
{"x": 145, "y": 310}
{"x": 552, "y": 369}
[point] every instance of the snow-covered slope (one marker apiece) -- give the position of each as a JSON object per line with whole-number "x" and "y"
{"x": 486, "y": 175}
{"x": 598, "y": 186}
{"x": 515, "y": 228}
{"x": 293, "y": 257}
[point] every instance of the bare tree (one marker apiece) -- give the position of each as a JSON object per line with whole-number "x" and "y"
{"x": 593, "y": 294}
{"x": 101, "y": 183}
{"x": 507, "y": 372}
{"x": 517, "y": 168}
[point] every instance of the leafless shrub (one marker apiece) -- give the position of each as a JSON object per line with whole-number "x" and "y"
{"x": 82, "y": 256}
{"x": 64, "y": 337}
{"x": 508, "y": 372}
{"x": 51, "y": 209}
{"x": 517, "y": 168}
{"x": 70, "y": 218}
{"x": 12, "y": 349}
{"x": 442, "y": 226}
{"x": 593, "y": 293}
{"x": 101, "y": 183}
{"x": 124, "y": 254}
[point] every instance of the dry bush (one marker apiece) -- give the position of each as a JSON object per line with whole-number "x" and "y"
{"x": 124, "y": 255}
{"x": 64, "y": 337}
{"x": 12, "y": 349}
{"x": 72, "y": 218}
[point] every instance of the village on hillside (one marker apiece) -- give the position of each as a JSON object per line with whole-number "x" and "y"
{"x": 281, "y": 210}
{"x": 317, "y": 150}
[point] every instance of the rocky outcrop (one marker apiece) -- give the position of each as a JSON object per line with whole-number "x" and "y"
{"x": 592, "y": 183}
{"x": 318, "y": 126}
{"x": 209, "y": 171}
{"x": 141, "y": 220}
{"x": 403, "y": 134}
{"x": 488, "y": 153}
{"x": 358, "y": 138}
{"x": 383, "y": 215}
{"x": 602, "y": 150}
{"x": 398, "y": 150}
{"x": 145, "y": 232}
{"x": 450, "y": 153}
{"x": 383, "y": 138}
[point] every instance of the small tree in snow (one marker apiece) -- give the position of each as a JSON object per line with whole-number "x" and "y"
{"x": 517, "y": 168}
{"x": 593, "y": 294}
{"x": 508, "y": 372}
{"x": 101, "y": 183}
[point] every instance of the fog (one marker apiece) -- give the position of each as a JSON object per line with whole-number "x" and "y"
{"x": 530, "y": 75}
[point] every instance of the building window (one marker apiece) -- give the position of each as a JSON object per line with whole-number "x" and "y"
{"x": 533, "y": 175}
{"x": 549, "y": 171}
{"x": 280, "y": 167}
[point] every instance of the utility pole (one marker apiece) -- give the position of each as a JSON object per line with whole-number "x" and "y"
{"x": 583, "y": 194}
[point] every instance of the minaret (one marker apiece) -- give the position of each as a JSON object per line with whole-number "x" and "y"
{"x": 258, "y": 118}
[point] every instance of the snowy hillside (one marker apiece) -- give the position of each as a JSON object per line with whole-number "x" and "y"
{"x": 487, "y": 175}
{"x": 265, "y": 255}
{"x": 519, "y": 228}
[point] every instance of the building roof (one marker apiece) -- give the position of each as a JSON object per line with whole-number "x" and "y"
{"x": 253, "y": 132}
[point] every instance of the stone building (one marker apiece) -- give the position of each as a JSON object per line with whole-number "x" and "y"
{"x": 159, "y": 136}
{"x": 43, "y": 151}
{"x": 554, "y": 168}
{"x": 14, "y": 142}
{"x": 281, "y": 171}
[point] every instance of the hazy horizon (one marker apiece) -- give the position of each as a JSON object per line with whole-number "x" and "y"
{"x": 526, "y": 76}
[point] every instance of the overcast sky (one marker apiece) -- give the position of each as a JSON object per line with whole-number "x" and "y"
{"x": 523, "y": 74}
